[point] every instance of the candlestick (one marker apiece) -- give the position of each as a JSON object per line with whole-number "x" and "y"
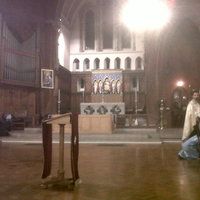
{"x": 59, "y": 95}
{"x": 135, "y": 100}
{"x": 59, "y": 101}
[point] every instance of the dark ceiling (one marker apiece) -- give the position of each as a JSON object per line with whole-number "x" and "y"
{"x": 38, "y": 9}
{"x": 23, "y": 15}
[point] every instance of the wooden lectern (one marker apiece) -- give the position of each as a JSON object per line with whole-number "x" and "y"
{"x": 60, "y": 180}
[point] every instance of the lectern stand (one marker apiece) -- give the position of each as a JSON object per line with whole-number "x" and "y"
{"x": 60, "y": 180}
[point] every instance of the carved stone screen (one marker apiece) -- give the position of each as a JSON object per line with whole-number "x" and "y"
{"x": 107, "y": 82}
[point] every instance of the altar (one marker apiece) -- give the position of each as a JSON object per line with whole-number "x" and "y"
{"x": 98, "y": 118}
{"x": 116, "y": 108}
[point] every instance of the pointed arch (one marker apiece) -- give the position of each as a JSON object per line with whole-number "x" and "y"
{"x": 89, "y": 30}
{"x": 76, "y": 64}
{"x": 107, "y": 63}
{"x": 61, "y": 49}
{"x": 125, "y": 38}
{"x": 128, "y": 63}
{"x": 96, "y": 63}
{"x": 86, "y": 64}
{"x": 138, "y": 63}
{"x": 117, "y": 63}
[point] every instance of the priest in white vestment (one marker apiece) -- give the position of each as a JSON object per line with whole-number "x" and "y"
{"x": 193, "y": 110}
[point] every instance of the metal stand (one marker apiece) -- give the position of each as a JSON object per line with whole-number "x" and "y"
{"x": 136, "y": 108}
{"x": 162, "y": 107}
{"x": 59, "y": 101}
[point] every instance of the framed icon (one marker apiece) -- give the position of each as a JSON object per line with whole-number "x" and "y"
{"x": 47, "y": 78}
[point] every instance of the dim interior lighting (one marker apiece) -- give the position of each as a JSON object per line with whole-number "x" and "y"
{"x": 180, "y": 83}
{"x": 142, "y": 15}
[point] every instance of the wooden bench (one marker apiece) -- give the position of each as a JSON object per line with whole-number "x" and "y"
{"x": 18, "y": 124}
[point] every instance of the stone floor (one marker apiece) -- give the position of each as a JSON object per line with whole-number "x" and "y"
{"x": 108, "y": 171}
{"x": 120, "y": 136}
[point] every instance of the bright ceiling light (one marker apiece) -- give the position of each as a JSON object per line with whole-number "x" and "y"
{"x": 180, "y": 83}
{"x": 142, "y": 15}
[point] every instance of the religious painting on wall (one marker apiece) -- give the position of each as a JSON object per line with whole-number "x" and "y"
{"x": 47, "y": 78}
{"x": 107, "y": 82}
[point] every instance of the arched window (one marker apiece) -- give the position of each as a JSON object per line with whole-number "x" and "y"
{"x": 107, "y": 63}
{"x": 107, "y": 24}
{"x": 128, "y": 63}
{"x": 89, "y": 30}
{"x": 76, "y": 64}
{"x": 138, "y": 63}
{"x": 81, "y": 85}
{"x": 125, "y": 38}
{"x": 117, "y": 63}
{"x": 135, "y": 83}
{"x": 61, "y": 49}
{"x": 96, "y": 63}
{"x": 86, "y": 64}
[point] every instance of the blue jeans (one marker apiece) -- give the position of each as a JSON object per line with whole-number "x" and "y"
{"x": 190, "y": 149}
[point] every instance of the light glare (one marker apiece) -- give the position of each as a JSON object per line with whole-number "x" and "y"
{"x": 61, "y": 49}
{"x": 141, "y": 15}
{"x": 180, "y": 84}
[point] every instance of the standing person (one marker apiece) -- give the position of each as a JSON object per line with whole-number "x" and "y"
{"x": 192, "y": 111}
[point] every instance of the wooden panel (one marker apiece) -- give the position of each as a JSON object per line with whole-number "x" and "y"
{"x": 20, "y": 102}
{"x": 95, "y": 124}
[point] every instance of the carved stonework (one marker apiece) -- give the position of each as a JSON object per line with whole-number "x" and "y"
{"x": 102, "y": 108}
{"x": 107, "y": 82}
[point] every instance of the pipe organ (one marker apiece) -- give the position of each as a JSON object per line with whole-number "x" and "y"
{"x": 19, "y": 57}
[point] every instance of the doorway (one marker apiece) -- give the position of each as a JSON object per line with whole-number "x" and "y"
{"x": 178, "y": 106}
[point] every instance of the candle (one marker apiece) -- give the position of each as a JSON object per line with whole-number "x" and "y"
{"x": 136, "y": 100}
{"x": 59, "y": 101}
{"x": 59, "y": 95}
{"x": 135, "y": 95}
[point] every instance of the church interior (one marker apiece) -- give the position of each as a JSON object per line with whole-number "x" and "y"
{"x": 129, "y": 88}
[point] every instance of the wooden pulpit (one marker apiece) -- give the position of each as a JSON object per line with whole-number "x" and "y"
{"x": 60, "y": 180}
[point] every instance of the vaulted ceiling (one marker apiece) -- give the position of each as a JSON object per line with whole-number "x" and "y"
{"x": 22, "y": 16}
{"x": 38, "y": 10}
{"x": 27, "y": 13}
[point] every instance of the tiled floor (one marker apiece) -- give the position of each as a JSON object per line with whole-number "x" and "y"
{"x": 107, "y": 171}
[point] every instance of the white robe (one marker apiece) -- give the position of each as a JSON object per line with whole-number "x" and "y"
{"x": 193, "y": 110}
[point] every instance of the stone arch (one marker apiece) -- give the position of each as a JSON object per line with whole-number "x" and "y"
{"x": 107, "y": 63}
{"x": 76, "y": 64}
{"x": 86, "y": 64}
{"x": 128, "y": 63}
{"x": 117, "y": 63}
